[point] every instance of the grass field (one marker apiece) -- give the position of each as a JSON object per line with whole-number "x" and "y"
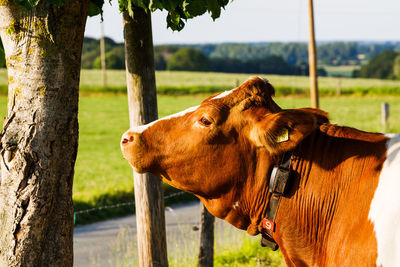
{"x": 345, "y": 71}
{"x": 103, "y": 177}
{"x": 176, "y": 82}
{"x": 227, "y": 80}
{"x": 181, "y": 83}
{"x": 232, "y": 248}
{"x": 101, "y": 170}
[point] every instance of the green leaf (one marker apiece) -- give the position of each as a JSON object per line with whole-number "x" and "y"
{"x": 223, "y": 3}
{"x": 122, "y": 5}
{"x": 214, "y": 7}
{"x": 194, "y": 8}
{"x": 96, "y": 8}
{"x": 178, "y": 10}
{"x": 155, "y": 4}
{"x": 27, "y": 4}
{"x": 171, "y": 4}
{"x": 174, "y": 21}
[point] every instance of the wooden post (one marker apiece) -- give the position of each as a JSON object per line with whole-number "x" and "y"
{"x": 150, "y": 216}
{"x": 206, "y": 248}
{"x": 312, "y": 59}
{"x": 385, "y": 116}
{"x": 339, "y": 87}
{"x": 103, "y": 55}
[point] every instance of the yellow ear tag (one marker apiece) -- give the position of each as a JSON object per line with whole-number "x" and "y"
{"x": 283, "y": 136}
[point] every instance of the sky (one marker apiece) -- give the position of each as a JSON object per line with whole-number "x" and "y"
{"x": 267, "y": 21}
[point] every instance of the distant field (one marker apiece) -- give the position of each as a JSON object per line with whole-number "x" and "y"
{"x": 102, "y": 176}
{"x": 345, "y": 71}
{"x": 181, "y": 83}
{"x": 285, "y": 85}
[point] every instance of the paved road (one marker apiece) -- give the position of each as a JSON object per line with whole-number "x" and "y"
{"x": 113, "y": 242}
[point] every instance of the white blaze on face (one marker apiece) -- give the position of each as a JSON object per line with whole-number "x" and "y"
{"x": 142, "y": 128}
{"x": 385, "y": 207}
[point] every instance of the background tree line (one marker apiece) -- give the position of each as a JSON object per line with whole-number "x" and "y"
{"x": 378, "y": 60}
{"x": 271, "y": 58}
{"x": 385, "y": 65}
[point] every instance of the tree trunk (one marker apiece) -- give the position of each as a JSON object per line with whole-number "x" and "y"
{"x": 206, "y": 248}
{"x": 40, "y": 133}
{"x": 142, "y": 99}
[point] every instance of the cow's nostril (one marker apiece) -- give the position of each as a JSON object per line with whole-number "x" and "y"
{"x": 131, "y": 138}
{"x": 125, "y": 140}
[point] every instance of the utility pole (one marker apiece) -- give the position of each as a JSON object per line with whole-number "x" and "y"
{"x": 103, "y": 55}
{"x": 312, "y": 59}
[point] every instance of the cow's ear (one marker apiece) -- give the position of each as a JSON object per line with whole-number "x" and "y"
{"x": 283, "y": 131}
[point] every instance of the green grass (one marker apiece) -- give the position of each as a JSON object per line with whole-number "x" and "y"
{"x": 101, "y": 169}
{"x": 232, "y": 248}
{"x": 178, "y": 83}
{"x": 249, "y": 254}
{"x": 103, "y": 177}
{"x": 184, "y": 83}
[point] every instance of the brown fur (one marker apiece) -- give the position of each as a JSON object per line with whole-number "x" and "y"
{"x": 323, "y": 222}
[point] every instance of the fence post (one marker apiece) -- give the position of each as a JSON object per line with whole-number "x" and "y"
{"x": 339, "y": 87}
{"x": 142, "y": 98}
{"x": 385, "y": 116}
{"x": 206, "y": 248}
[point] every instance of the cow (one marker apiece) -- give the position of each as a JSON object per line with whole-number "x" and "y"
{"x": 340, "y": 205}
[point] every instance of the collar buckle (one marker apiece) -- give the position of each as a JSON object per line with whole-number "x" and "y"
{"x": 278, "y": 183}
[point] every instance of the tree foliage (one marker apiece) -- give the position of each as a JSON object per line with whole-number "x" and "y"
{"x": 115, "y": 59}
{"x": 94, "y": 9}
{"x": 178, "y": 10}
{"x": 381, "y": 66}
{"x": 189, "y": 59}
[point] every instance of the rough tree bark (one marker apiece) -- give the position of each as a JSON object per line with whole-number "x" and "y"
{"x": 40, "y": 133}
{"x": 150, "y": 217}
{"x": 206, "y": 248}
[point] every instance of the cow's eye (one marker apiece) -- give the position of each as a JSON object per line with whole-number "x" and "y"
{"x": 203, "y": 121}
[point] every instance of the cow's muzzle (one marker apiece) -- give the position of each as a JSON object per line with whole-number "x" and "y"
{"x": 132, "y": 147}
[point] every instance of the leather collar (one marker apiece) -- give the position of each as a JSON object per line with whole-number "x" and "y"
{"x": 278, "y": 185}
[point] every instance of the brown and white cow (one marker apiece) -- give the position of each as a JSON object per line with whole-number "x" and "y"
{"x": 343, "y": 205}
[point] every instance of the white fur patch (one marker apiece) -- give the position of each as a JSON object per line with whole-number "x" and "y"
{"x": 223, "y": 94}
{"x": 236, "y": 205}
{"x": 142, "y": 128}
{"x": 385, "y": 207}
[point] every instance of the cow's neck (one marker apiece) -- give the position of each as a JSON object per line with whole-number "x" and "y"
{"x": 326, "y": 167}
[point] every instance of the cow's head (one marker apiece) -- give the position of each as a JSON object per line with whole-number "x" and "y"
{"x": 223, "y": 149}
